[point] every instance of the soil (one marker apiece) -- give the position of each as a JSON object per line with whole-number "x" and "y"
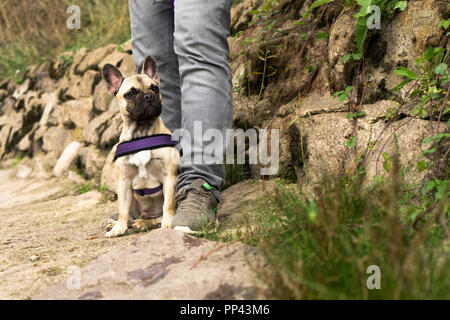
{"x": 46, "y": 228}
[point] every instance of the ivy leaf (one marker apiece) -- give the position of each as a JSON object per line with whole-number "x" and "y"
{"x": 444, "y": 24}
{"x": 356, "y": 115}
{"x": 402, "y": 84}
{"x": 350, "y": 142}
{"x": 437, "y": 137}
{"x": 422, "y": 165}
{"x": 430, "y": 185}
{"x": 364, "y": 11}
{"x": 361, "y": 32}
{"x": 401, "y": 5}
{"x": 405, "y": 72}
{"x": 346, "y": 58}
{"x": 440, "y": 69}
{"x": 428, "y": 54}
{"x": 322, "y": 36}
{"x": 429, "y": 151}
{"x": 319, "y": 3}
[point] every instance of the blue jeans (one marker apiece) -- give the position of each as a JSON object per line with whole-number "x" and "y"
{"x": 190, "y": 45}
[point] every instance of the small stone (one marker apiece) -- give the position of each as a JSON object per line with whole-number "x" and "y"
{"x": 34, "y": 258}
{"x": 23, "y": 171}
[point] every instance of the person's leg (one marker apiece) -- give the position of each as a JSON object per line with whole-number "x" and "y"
{"x": 152, "y": 28}
{"x": 201, "y": 30}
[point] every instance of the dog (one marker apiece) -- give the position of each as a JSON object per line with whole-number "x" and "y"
{"x": 140, "y": 107}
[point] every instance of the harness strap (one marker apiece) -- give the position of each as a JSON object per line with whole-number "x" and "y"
{"x": 146, "y": 143}
{"x": 146, "y": 192}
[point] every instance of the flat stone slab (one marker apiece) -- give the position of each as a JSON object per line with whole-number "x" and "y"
{"x": 164, "y": 264}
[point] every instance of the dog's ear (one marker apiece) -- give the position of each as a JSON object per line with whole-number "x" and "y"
{"x": 113, "y": 78}
{"x": 150, "y": 68}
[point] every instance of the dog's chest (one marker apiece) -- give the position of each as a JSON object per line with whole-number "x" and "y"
{"x": 143, "y": 161}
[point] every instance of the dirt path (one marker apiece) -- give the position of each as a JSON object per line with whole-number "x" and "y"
{"x": 46, "y": 227}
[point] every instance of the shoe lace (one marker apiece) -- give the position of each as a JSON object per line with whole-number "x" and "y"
{"x": 187, "y": 200}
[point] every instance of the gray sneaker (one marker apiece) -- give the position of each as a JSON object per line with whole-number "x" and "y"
{"x": 196, "y": 207}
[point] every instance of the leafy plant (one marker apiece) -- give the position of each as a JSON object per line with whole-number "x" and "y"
{"x": 319, "y": 246}
{"x": 83, "y": 187}
{"x": 343, "y": 95}
{"x": 431, "y": 77}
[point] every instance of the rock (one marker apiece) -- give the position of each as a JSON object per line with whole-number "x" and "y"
{"x": 122, "y": 60}
{"x": 79, "y": 56}
{"x": 72, "y": 175}
{"x": 82, "y": 87}
{"x": 93, "y": 58}
{"x": 88, "y": 199}
{"x": 92, "y": 161}
{"x": 325, "y": 135}
{"x": 112, "y": 133}
{"x": 241, "y": 14}
{"x": 101, "y": 97}
{"x": 22, "y": 89}
{"x": 23, "y": 171}
{"x": 34, "y": 258}
{"x": 72, "y": 113}
{"x": 42, "y": 167}
{"x": 127, "y": 67}
{"x": 25, "y": 143}
{"x": 401, "y": 41}
{"x": 66, "y": 158}
{"x": 60, "y": 65}
{"x": 127, "y": 46}
{"x": 342, "y": 41}
{"x": 165, "y": 264}
{"x": 93, "y": 131}
{"x": 51, "y": 101}
{"x": 55, "y": 139}
{"x": 3, "y": 94}
{"x": 110, "y": 172}
{"x": 235, "y": 198}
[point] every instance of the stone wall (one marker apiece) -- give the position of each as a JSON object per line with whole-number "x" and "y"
{"x": 65, "y": 100}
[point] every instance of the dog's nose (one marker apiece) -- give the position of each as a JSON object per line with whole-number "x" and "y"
{"x": 148, "y": 97}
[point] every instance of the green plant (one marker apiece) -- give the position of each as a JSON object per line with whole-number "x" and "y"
{"x": 34, "y": 31}
{"x": 431, "y": 78}
{"x": 319, "y": 246}
{"x": 17, "y": 160}
{"x": 343, "y": 95}
{"x": 83, "y": 187}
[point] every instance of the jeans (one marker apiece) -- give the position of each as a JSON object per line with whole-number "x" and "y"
{"x": 189, "y": 42}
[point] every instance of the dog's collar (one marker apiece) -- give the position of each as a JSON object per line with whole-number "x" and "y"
{"x": 145, "y": 143}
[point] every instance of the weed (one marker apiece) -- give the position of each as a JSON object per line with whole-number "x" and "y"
{"x": 319, "y": 246}
{"x": 83, "y": 187}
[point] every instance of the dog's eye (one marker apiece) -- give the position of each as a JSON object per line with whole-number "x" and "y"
{"x": 154, "y": 88}
{"x": 130, "y": 94}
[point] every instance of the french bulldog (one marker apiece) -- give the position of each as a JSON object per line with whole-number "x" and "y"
{"x": 139, "y": 101}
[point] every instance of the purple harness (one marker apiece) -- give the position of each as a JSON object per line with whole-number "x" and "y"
{"x": 146, "y": 143}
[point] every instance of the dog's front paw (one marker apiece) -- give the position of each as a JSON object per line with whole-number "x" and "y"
{"x": 117, "y": 231}
{"x": 166, "y": 223}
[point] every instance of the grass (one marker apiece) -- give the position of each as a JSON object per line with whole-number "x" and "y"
{"x": 83, "y": 187}
{"x": 318, "y": 245}
{"x": 17, "y": 160}
{"x": 34, "y": 31}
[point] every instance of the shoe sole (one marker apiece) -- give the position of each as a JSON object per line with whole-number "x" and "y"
{"x": 185, "y": 230}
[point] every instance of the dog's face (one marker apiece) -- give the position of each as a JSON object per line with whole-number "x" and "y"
{"x": 139, "y": 96}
